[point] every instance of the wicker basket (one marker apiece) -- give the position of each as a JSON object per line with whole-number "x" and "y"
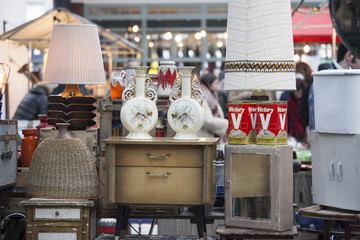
{"x": 62, "y": 168}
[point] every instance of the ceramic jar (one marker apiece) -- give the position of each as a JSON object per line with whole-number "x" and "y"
{"x": 166, "y": 78}
{"x": 117, "y": 82}
{"x": 185, "y": 115}
{"x": 63, "y": 133}
{"x": 139, "y": 113}
{"x": 28, "y": 145}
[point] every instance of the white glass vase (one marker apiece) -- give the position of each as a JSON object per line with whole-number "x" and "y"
{"x": 185, "y": 114}
{"x": 139, "y": 113}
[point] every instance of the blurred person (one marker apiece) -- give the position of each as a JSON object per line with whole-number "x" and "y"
{"x": 286, "y": 95}
{"x": 345, "y": 60}
{"x": 223, "y": 95}
{"x": 324, "y": 66}
{"x": 297, "y": 126}
{"x": 306, "y": 71}
{"x": 34, "y": 103}
{"x": 215, "y": 124}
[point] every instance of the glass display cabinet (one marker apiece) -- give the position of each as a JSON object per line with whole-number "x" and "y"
{"x": 258, "y": 187}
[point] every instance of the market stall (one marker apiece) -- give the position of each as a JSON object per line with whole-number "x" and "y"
{"x": 36, "y": 34}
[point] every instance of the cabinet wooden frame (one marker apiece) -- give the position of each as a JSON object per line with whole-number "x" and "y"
{"x": 281, "y": 186}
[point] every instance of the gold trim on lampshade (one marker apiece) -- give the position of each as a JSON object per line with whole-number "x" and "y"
{"x": 260, "y": 49}
{"x": 75, "y": 55}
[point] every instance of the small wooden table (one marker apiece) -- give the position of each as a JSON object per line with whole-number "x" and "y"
{"x": 330, "y": 214}
{"x": 240, "y": 233}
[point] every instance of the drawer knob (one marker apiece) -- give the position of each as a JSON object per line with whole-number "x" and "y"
{"x": 158, "y": 175}
{"x": 158, "y": 157}
{"x": 57, "y": 213}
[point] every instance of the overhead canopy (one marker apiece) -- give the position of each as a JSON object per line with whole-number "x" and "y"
{"x": 39, "y": 30}
{"x": 311, "y": 26}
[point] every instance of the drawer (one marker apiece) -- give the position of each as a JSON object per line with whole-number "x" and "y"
{"x": 159, "y": 155}
{"x": 159, "y": 185}
{"x": 58, "y": 233}
{"x": 57, "y": 213}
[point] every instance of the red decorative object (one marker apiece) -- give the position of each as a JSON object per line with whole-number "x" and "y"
{"x": 167, "y": 75}
{"x": 43, "y": 123}
{"x": 28, "y": 145}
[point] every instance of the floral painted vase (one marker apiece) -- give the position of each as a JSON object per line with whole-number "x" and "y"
{"x": 185, "y": 114}
{"x": 166, "y": 78}
{"x": 139, "y": 113}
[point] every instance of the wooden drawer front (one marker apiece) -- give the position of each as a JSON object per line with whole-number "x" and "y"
{"x": 58, "y": 233}
{"x": 171, "y": 185}
{"x": 57, "y": 236}
{"x": 159, "y": 155}
{"x": 57, "y": 213}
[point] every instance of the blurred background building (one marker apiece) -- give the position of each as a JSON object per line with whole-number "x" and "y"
{"x": 190, "y": 32}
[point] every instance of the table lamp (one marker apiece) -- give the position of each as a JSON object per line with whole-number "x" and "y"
{"x": 74, "y": 58}
{"x": 259, "y": 58}
{"x": 259, "y": 51}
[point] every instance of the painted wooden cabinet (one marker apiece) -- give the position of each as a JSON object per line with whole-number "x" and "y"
{"x": 160, "y": 171}
{"x": 8, "y": 152}
{"x": 335, "y": 170}
{"x": 61, "y": 219}
{"x": 259, "y": 187}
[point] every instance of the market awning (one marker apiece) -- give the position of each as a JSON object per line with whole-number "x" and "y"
{"x": 311, "y": 26}
{"x": 39, "y": 30}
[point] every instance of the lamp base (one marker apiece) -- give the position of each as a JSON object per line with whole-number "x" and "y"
{"x": 259, "y": 95}
{"x": 71, "y": 90}
{"x": 77, "y": 111}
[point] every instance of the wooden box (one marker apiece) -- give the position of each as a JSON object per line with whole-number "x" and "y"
{"x": 62, "y": 219}
{"x": 259, "y": 187}
{"x": 335, "y": 170}
{"x": 8, "y": 152}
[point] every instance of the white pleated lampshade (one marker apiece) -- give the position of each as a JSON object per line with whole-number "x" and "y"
{"x": 75, "y": 55}
{"x": 260, "y": 49}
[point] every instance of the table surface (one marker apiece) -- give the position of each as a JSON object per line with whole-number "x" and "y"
{"x": 240, "y": 232}
{"x": 160, "y": 140}
{"x": 329, "y": 213}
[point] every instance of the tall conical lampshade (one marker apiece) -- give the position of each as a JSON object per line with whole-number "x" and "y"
{"x": 75, "y": 55}
{"x": 260, "y": 50}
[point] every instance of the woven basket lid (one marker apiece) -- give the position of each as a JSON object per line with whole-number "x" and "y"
{"x": 260, "y": 49}
{"x": 62, "y": 168}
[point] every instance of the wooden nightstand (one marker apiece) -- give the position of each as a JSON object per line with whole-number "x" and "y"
{"x": 160, "y": 171}
{"x": 67, "y": 219}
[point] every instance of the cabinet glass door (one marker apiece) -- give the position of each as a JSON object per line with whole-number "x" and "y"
{"x": 251, "y": 194}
